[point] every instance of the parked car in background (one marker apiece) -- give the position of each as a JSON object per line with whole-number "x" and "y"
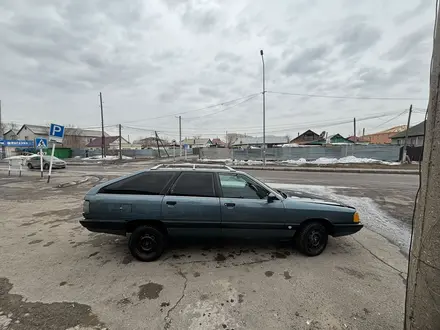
{"x": 35, "y": 162}
{"x": 209, "y": 200}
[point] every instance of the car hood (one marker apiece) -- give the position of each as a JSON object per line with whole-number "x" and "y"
{"x": 317, "y": 201}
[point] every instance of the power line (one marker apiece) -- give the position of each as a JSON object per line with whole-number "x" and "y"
{"x": 347, "y": 97}
{"x": 193, "y": 110}
{"x": 386, "y": 122}
{"x": 232, "y": 106}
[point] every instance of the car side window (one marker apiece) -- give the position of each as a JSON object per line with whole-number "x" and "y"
{"x": 149, "y": 183}
{"x": 239, "y": 186}
{"x": 197, "y": 184}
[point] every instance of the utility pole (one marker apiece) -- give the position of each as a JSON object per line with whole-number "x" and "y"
{"x": 264, "y": 109}
{"x": 157, "y": 142}
{"x": 354, "y": 124}
{"x": 423, "y": 284}
{"x": 405, "y": 144}
{"x": 180, "y": 136}
{"x": 363, "y": 131}
{"x": 120, "y": 142}
{"x": 102, "y": 127}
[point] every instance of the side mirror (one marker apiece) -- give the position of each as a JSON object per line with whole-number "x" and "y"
{"x": 271, "y": 197}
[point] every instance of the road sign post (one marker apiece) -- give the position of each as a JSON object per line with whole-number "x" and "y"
{"x": 41, "y": 143}
{"x": 56, "y": 134}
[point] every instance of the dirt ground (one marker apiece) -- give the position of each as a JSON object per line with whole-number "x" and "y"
{"x": 54, "y": 274}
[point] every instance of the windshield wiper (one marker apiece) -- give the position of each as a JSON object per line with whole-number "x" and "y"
{"x": 282, "y": 193}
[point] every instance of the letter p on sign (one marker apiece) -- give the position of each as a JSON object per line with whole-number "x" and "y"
{"x": 56, "y": 132}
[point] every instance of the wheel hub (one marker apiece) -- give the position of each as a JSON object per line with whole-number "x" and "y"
{"x": 147, "y": 243}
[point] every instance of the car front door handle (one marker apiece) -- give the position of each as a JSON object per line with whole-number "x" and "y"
{"x": 171, "y": 203}
{"x": 229, "y": 205}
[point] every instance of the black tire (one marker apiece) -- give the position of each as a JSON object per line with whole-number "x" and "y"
{"x": 29, "y": 165}
{"x": 46, "y": 166}
{"x": 146, "y": 243}
{"x": 312, "y": 239}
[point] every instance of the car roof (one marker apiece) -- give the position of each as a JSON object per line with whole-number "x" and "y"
{"x": 195, "y": 167}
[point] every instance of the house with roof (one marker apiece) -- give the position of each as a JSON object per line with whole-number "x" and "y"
{"x": 73, "y": 137}
{"x": 197, "y": 143}
{"x": 218, "y": 143}
{"x": 257, "y": 142}
{"x": 338, "y": 139}
{"x": 110, "y": 142}
{"x": 416, "y": 136}
{"x": 384, "y": 137}
{"x": 10, "y": 135}
{"x": 308, "y": 138}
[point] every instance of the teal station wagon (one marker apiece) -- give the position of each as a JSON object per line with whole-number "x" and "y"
{"x": 209, "y": 200}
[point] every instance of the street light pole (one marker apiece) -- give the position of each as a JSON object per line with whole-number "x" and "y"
{"x": 264, "y": 110}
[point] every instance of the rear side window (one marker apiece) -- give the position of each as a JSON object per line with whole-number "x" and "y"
{"x": 194, "y": 184}
{"x": 149, "y": 183}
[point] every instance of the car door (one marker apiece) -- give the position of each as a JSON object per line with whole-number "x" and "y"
{"x": 35, "y": 161}
{"x": 192, "y": 206}
{"x": 246, "y": 210}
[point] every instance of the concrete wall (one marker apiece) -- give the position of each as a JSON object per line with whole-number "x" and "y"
{"x": 379, "y": 152}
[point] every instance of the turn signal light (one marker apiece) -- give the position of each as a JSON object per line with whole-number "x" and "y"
{"x": 356, "y": 217}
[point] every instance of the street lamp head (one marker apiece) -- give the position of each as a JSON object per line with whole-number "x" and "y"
{"x": 261, "y": 52}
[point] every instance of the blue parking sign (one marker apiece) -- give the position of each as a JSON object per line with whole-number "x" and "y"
{"x": 56, "y": 132}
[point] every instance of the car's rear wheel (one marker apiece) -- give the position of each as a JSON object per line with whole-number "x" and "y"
{"x": 312, "y": 238}
{"x": 29, "y": 165}
{"x": 146, "y": 243}
{"x": 46, "y": 166}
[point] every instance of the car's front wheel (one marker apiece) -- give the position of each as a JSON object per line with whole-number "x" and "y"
{"x": 29, "y": 165}
{"x": 46, "y": 166}
{"x": 312, "y": 238}
{"x": 146, "y": 243}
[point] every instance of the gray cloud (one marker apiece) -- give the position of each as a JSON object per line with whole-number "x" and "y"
{"x": 176, "y": 55}
{"x": 309, "y": 60}
{"x": 410, "y": 44}
{"x": 356, "y": 37}
{"x": 423, "y": 6}
{"x": 210, "y": 92}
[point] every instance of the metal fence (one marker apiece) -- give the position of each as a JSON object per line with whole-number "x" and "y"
{"x": 133, "y": 153}
{"x": 309, "y": 153}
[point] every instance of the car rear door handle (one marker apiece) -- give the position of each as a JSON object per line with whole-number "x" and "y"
{"x": 229, "y": 205}
{"x": 171, "y": 203}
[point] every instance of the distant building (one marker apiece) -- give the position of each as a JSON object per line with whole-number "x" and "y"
{"x": 416, "y": 136}
{"x": 357, "y": 139}
{"x": 218, "y": 143}
{"x": 73, "y": 137}
{"x": 338, "y": 139}
{"x": 383, "y": 137}
{"x": 10, "y": 135}
{"x": 197, "y": 143}
{"x": 110, "y": 142}
{"x": 308, "y": 137}
{"x": 257, "y": 142}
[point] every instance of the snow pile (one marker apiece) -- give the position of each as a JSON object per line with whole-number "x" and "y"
{"x": 104, "y": 158}
{"x": 20, "y": 157}
{"x": 343, "y": 160}
{"x": 231, "y": 162}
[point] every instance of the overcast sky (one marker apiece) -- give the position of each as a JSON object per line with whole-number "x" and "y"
{"x": 159, "y": 58}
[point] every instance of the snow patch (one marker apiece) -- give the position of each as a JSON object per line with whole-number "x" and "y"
{"x": 343, "y": 160}
{"x": 93, "y": 158}
{"x": 371, "y": 215}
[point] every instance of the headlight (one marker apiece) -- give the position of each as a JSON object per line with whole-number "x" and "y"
{"x": 86, "y": 207}
{"x": 356, "y": 217}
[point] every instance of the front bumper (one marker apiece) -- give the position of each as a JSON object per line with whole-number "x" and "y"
{"x": 346, "y": 229}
